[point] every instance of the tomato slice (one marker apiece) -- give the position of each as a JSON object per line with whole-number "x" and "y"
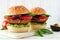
{"x": 4, "y": 25}
{"x": 27, "y": 17}
{"x": 43, "y": 17}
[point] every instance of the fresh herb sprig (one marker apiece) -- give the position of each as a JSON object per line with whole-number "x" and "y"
{"x": 30, "y": 13}
{"x": 41, "y": 32}
{"x": 3, "y": 28}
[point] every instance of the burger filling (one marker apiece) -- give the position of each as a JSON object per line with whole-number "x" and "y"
{"x": 38, "y": 23}
{"x": 21, "y": 20}
{"x": 39, "y": 19}
{"x": 19, "y": 25}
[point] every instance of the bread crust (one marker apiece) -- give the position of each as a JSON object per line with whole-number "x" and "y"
{"x": 15, "y": 10}
{"x": 18, "y": 29}
{"x": 37, "y": 27}
{"x": 38, "y": 10}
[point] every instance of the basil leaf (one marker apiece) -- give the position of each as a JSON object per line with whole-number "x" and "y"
{"x": 46, "y": 31}
{"x": 39, "y": 33}
{"x": 3, "y": 28}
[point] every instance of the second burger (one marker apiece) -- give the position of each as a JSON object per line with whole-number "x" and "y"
{"x": 39, "y": 18}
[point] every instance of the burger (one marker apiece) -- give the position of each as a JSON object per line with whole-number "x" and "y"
{"x": 39, "y": 18}
{"x": 18, "y": 19}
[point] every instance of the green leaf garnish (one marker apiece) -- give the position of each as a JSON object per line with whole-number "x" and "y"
{"x": 46, "y": 15}
{"x": 19, "y": 25}
{"x": 43, "y": 31}
{"x": 39, "y": 33}
{"x": 3, "y": 28}
{"x": 30, "y": 13}
{"x": 46, "y": 31}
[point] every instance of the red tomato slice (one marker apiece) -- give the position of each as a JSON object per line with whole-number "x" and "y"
{"x": 43, "y": 17}
{"x": 27, "y": 17}
{"x": 4, "y": 25}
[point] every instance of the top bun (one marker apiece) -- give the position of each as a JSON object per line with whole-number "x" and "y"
{"x": 38, "y": 10}
{"x": 15, "y": 10}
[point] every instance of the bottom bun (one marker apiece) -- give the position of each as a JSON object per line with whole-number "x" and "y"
{"x": 18, "y": 29}
{"x": 37, "y": 27}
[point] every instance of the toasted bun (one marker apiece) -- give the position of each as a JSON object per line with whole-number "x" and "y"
{"x": 15, "y": 10}
{"x": 38, "y": 10}
{"x": 18, "y": 29}
{"x": 37, "y": 27}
